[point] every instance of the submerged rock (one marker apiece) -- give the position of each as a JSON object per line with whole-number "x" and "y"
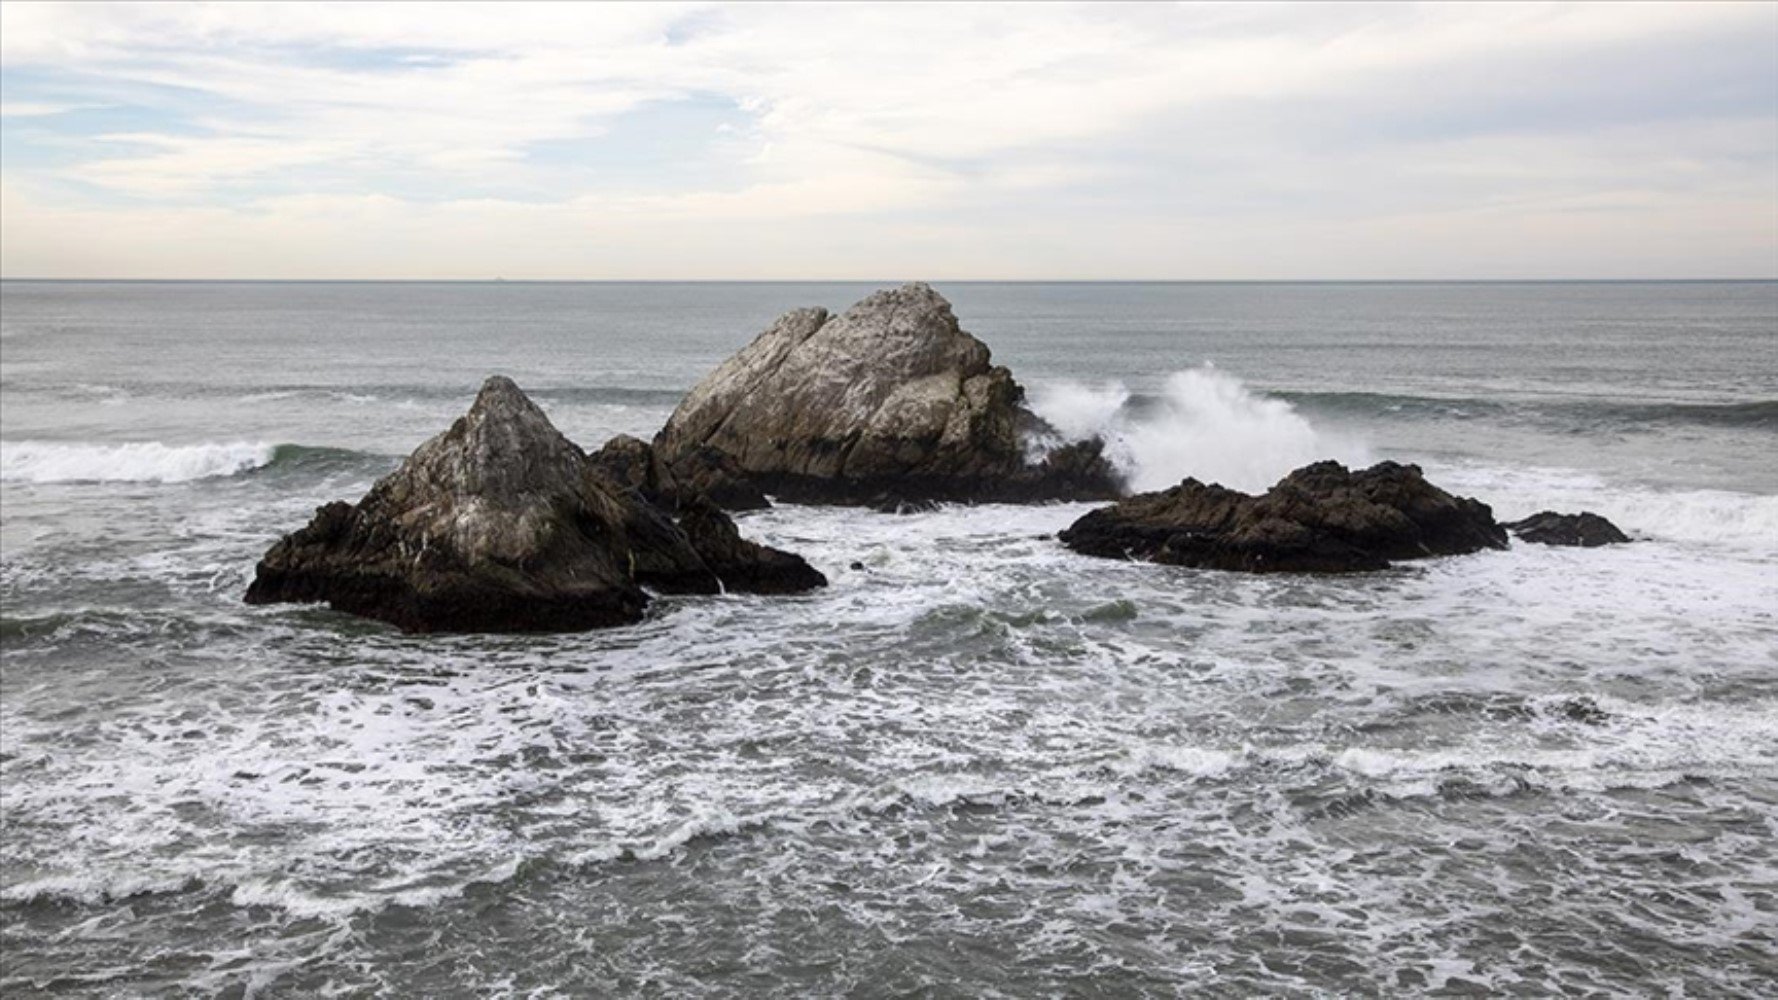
{"x": 889, "y": 403}
{"x": 1584, "y": 710}
{"x": 501, "y": 524}
{"x": 1585, "y": 529}
{"x": 1322, "y": 518}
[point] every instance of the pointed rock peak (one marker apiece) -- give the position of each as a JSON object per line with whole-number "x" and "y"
{"x": 502, "y": 405}
{"x": 504, "y": 446}
{"x": 500, "y": 394}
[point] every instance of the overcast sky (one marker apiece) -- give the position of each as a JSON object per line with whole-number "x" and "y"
{"x": 895, "y": 141}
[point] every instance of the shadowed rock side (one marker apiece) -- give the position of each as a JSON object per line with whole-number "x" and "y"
{"x": 889, "y": 403}
{"x": 740, "y": 564}
{"x": 703, "y": 473}
{"x": 501, "y": 524}
{"x": 1586, "y": 529}
{"x": 1322, "y": 518}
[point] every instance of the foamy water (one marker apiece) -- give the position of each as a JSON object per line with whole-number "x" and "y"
{"x": 977, "y": 765}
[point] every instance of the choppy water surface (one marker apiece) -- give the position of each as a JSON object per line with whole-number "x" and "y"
{"x": 980, "y": 765}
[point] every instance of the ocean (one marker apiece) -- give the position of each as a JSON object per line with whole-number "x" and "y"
{"x": 977, "y": 766}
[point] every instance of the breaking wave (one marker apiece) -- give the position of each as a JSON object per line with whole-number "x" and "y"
{"x": 1205, "y": 424}
{"x": 151, "y": 461}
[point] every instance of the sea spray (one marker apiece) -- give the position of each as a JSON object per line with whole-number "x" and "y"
{"x": 1205, "y": 424}
{"x": 1080, "y": 411}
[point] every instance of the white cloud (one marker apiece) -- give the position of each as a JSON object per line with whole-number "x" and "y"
{"x": 935, "y": 139}
{"x": 38, "y": 109}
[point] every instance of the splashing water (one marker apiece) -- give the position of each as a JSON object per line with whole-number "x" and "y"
{"x": 1205, "y": 424}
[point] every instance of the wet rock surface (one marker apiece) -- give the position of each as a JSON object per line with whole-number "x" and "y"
{"x": 1586, "y": 530}
{"x": 1322, "y": 518}
{"x": 740, "y": 564}
{"x": 891, "y": 402}
{"x": 501, "y": 524}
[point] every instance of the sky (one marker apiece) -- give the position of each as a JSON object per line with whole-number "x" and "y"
{"x": 941, "y": 142}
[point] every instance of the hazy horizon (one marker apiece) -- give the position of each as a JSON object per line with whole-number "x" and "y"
{"x": 890, "y": 281}
{"x": 821, "y": 143}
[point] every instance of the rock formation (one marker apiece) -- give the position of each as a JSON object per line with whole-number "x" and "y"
{"x": 501, "y": 524}
{"x": 889, "y": 403}
{"x": 1321, "y": 518}
{"x": 1584, "y": 529}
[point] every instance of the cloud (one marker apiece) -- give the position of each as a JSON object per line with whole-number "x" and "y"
{"x": 37, "y": 109}
{"x": 947, "y": 140}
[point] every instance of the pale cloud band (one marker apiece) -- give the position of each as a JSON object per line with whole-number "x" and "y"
{"x": 940, "y": 141}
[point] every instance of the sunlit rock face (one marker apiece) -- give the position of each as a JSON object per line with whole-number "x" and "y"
{"x": 890, "y": 402}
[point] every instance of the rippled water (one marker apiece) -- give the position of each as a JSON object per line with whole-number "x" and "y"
{"x": 980, "y": 765}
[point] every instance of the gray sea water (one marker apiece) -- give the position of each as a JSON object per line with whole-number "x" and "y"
{"x": 981, "y": 765}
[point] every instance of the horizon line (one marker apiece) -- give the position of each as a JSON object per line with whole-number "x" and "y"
{"x": 880, "y": 280}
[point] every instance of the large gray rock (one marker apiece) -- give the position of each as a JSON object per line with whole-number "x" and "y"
{"x": 1322, "y": 518}
{"x": 890, "y": 402}
{"x": 502, "y": 524}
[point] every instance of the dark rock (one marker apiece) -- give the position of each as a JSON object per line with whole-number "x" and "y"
{"x": 1550, "y": 528}
{"x": 629, "y": 461}
{"x": 890, "y": 403}
{"x": 740, "y": 564}
{"x": 500, "y": 524}
{"x": 707, "y": 472}
{"x": 1583, "y": 710}
{"x": 1321, "y": 518}
{"x": 858, "y": 565}
{"x": 703, "y": 472}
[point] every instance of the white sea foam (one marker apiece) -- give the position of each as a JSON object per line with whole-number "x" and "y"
{"x": 953, "y": 716}
{"x": 1193, "y": 761}
{"x": 1709, "y": 517}
{"x": 1208, "y": 425}
{"x": 147, "y": 461}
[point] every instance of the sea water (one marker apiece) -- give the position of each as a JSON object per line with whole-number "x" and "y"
{"x": 979, "y": 765}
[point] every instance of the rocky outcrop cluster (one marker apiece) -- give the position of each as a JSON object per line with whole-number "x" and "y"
{"x": 889, "y": 403}
{"x": 501, "y": 524}
{"x": 1322, "y": 518}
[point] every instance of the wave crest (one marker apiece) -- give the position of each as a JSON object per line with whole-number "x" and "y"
{"x": 142, "y": 462}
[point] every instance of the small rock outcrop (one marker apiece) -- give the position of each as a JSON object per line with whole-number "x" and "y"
{"x": 887, "y": 404}
{"x": 1322, "y": 518}
{"x": 1587, "y": 530}
{"x": 501, "y": 524}
{"x": 740, "y": 564}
